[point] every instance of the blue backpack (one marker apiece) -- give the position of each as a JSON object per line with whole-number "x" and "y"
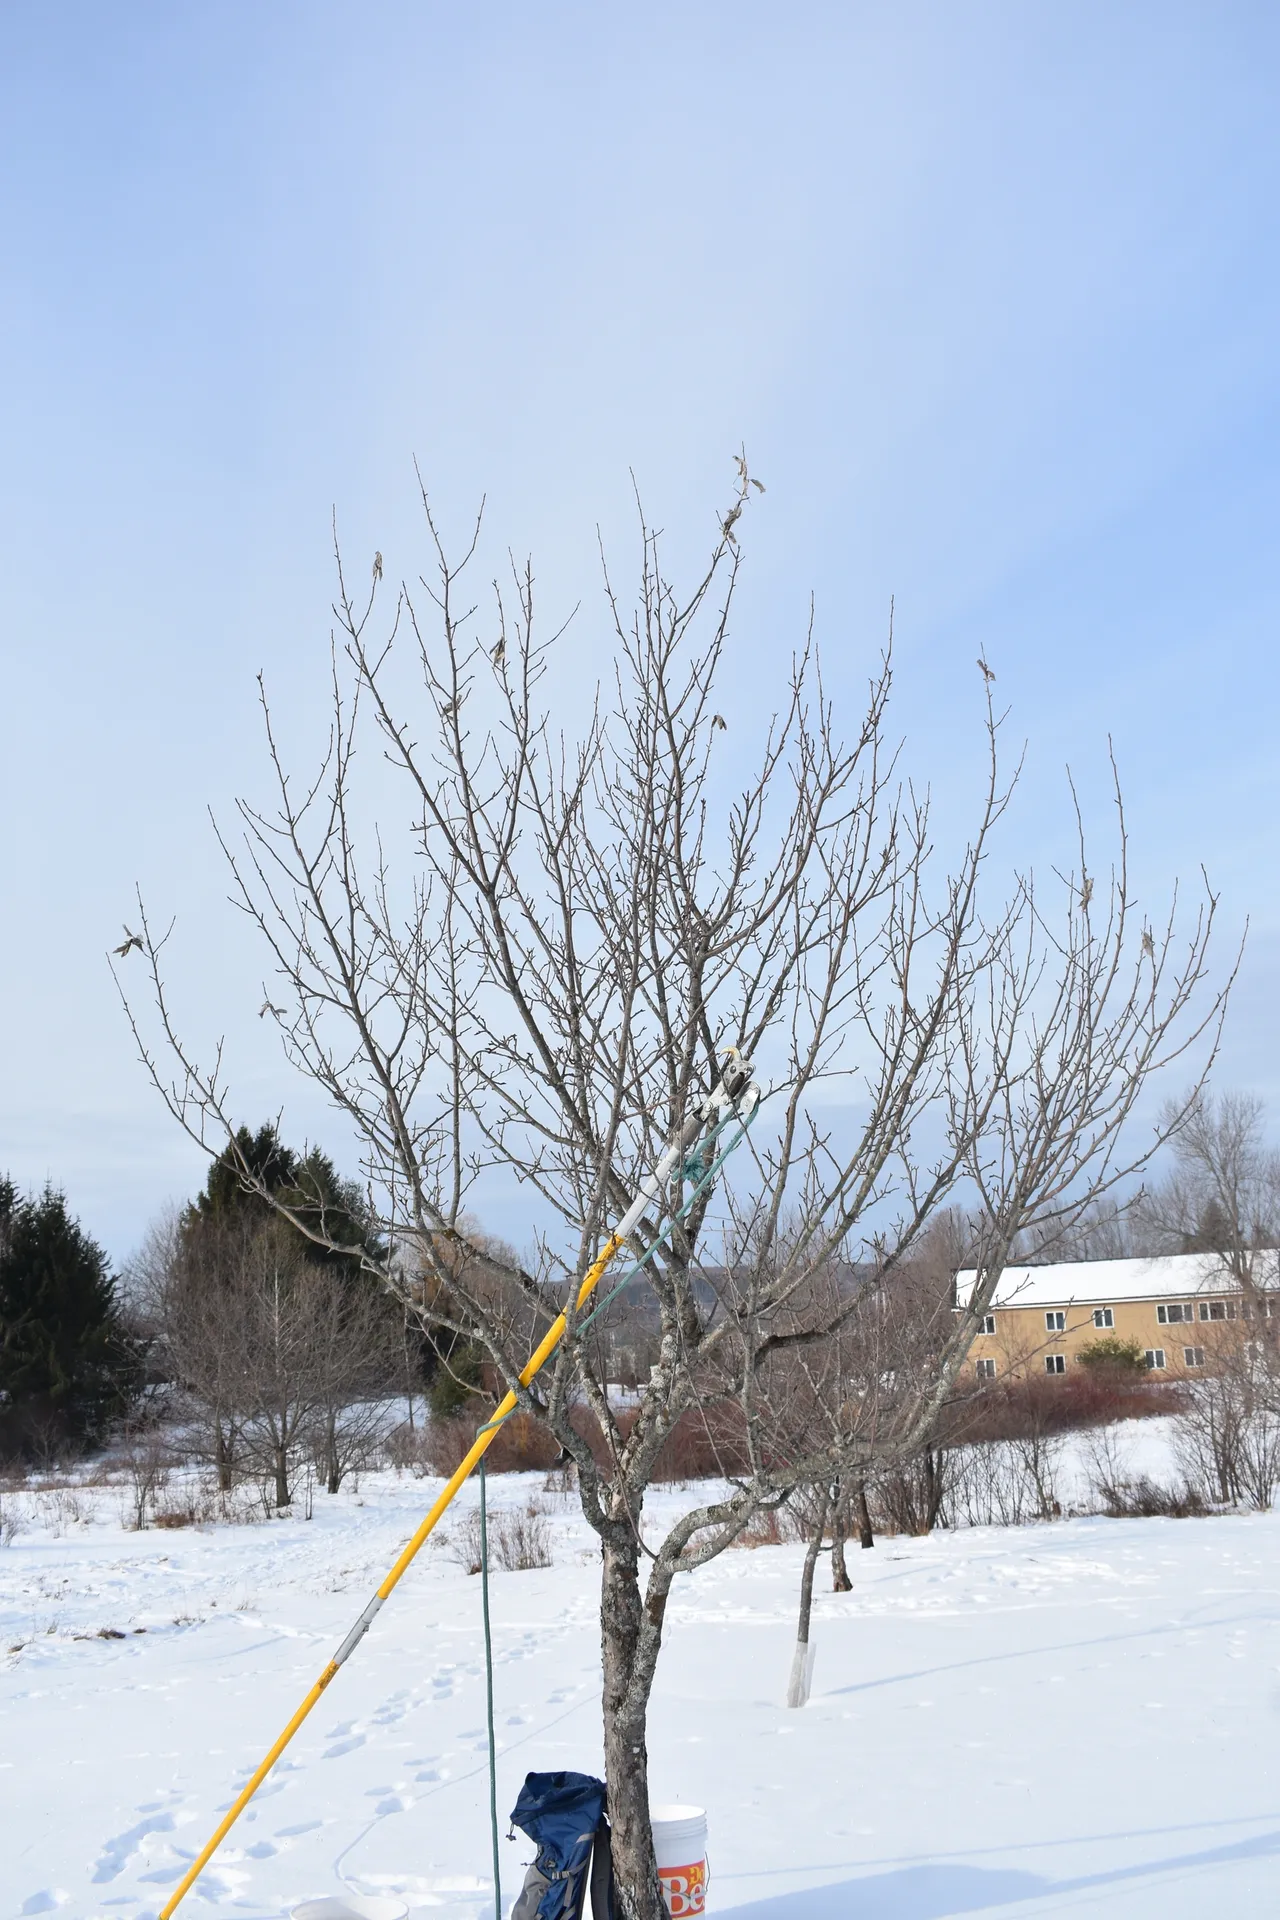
{"x": 564, "y": 1815}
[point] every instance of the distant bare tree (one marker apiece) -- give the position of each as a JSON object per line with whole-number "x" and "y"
{"x": 1222, "y": 1194}
{"x": 182, "y": 1289}
{"x": 1110, "y": 1230}
{"x": 357, "y": 1351}
{"x": 283, "y": 1314}
{"x": 275, "y": 1353}
{"x": 542, "y": 975}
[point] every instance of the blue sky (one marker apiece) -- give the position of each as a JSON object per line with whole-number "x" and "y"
{"x": 989, "y": 292}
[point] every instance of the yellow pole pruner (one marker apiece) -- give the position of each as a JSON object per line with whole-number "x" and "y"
{"x": 734, "y": 1098}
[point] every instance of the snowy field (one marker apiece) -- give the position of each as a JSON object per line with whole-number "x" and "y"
{"x": 1072, "y": 1718}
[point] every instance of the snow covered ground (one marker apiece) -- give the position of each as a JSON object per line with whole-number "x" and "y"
{"x": 1078, "y": 1717}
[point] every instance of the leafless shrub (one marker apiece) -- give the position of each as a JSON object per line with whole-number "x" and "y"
{"x": 12, "y": 1520}
{"x": 235, "y": 1508}
{"x": 185, "y": 1509}
{"x": 462, "y": 1540}
{"x": 1145, "y": 1498}
{"x": 1107, "y": 1462}
{"x": 989, "y": 1485}
{"x": 911, "y": 1495}
{"x": 1228, "y": 1437}
{"x": 520, "y": 1538}
{"x": 409, "y": 1450}
{"x": 146, "y": 1467}
{"x": 57, "y": 1509}
{"x": 1125, "y": 1494}
{"x": 1259, "y": 1465}
{"x": 47, "y": 1442}
{"x": 773, "y": 1527}
{"x": 1040, "y": 1454}
{"x": 521, "y": 1445}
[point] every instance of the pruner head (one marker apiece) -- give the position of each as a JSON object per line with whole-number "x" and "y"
{"x": 735, "y": 1087}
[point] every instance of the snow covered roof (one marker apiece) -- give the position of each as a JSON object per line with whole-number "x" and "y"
{"x": 1093, "y": 1281}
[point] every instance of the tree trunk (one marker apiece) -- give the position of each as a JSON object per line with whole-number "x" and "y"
{"x": 840, "y": 1581}
{"x": 866, "y": 1538}
{"x": 332, "y": 1467}
{"x": 628, "y": 1676}
{"x": 222, "y": 1457}
{"x": 802, "y": 1663}
{"x": 282, "y": 1476}
{"x": 933, "y": 1486}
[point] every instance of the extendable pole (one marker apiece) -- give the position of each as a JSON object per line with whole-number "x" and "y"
{"x": 727, "y": 1094}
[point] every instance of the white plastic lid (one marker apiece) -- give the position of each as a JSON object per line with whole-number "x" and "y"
{"x": 352, "y": 1906}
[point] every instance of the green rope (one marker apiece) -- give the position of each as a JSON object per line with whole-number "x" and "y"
{"x": 488, "y": 1681}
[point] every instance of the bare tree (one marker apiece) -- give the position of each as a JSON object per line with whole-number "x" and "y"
{"x": 357, "y": 1351}
{"x": 542, "y": 976}
{"x": 1111, "y": 1230}
{"x": 182, "y": 1291}
{"x": 1222, "y": 1195}
{"x": 274, "y": 1353}
{"x": 284, "y": 1342}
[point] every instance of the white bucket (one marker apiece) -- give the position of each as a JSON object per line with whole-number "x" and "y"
{"x": 680, "y": 1842}
{"x": 351, "y": 1906}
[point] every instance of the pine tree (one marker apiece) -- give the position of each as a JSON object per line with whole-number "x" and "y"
{"x": 67, "y": 1364}
{"x": 310, "y": 1186}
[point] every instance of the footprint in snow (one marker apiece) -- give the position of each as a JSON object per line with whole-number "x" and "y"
{"x": 46, "y": 1901}
{"x": 336, "y": 1751}
{"x": 269, "y": 1792}
{"x": 118, "y": 1852}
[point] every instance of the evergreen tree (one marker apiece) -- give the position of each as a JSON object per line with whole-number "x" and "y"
{"x": 66, "y": 1363}
{"x": 1213, "y": 1232}
{"x": 310, "y": 1185}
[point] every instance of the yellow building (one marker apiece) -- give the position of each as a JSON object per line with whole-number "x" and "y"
{"x": 1176, "y": 1308}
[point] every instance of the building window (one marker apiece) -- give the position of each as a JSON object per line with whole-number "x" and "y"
{"x": 1103, "y": 1317}
{"x": 988, "y": 1323}
{"x": 1056, "y": 1322}
{"x": 986, "y": 1369}
{"x": 1055, "y": 1363}
{"x": 1217, "y": 1309}
{"x": 1193, "y": 1356}
{"x": 1155, "y": 1359}
{"x": 1174, "y": 1314}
